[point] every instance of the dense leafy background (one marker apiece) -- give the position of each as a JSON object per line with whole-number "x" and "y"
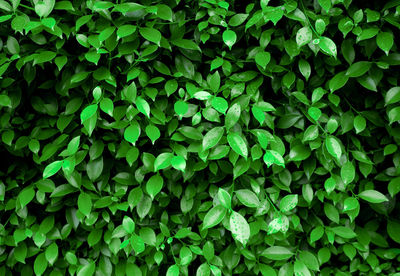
{"x": 199, "y": 137}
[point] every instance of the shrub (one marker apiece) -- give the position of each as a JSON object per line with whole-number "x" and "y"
{"x": 199, "y": 137}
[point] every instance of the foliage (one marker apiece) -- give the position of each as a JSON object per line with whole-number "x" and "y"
{"x": 199, "y": 137}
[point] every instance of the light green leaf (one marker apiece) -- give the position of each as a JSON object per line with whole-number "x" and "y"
{"x": 225, "y": 198}
{"x": 288, "y": 203}
{"x": 154, "y": 185}
{"x": 273, "y": 157}
{"x": 52, "y": 169}
{"x": 232, "y": 116}
{"x": 85, "y": 203}
{"x": 373, "y": 196}
{"x": 303, "y": 36}
{"x": 214, "y": 216}
{"x": 143, "y": 106}
{"x": 277, "y": 253}
{"x": 347, "y": 172}
{"x": 325, "y": 4}
{"x": 393, "y": 95}
{"x": 237, "y": 143}
{"x": 88, "y": 112}
{"x": 328, "y": 46}
{"x": 132, "y": 133}
{"x": 350, "y": 203}
{"x": 333, "y": 146}
{"x": 229, "y": 37}
{"x": 162, "y": 161}
{"x": 128, "y": 224}
{"x": 248, "y": 198}
{"x": 173, "y": 270}
{"x": 219, "y": 104}
{"x": 153, "y": 133}
{"x": 239, "y": 227}
{"x": 181, "y": 108}
{"x": 40, "y": 264}
{"x": 212, "y": 137}
{"x": 179, "y": 163}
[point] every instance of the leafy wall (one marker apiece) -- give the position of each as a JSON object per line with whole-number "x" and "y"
{"x": 199, "y": 137}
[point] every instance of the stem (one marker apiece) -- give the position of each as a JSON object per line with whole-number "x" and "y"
{"x": 304, "y": 10}
{"x": 355, "y": 110}
{"x": 270, "y": 201}
{"x": 26, "y": 7}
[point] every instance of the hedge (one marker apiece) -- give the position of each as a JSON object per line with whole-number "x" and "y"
{"x": 199, "y": 137}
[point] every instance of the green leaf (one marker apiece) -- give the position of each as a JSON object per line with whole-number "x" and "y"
{"x": 373, "y": 196}
{"x": 237, "y": 19}
{"x": 359, "y": 123}
{"x": 277, "y": 253}
{"x": 248, "y": 198}
{"x": 85, "y": 203}
{"x": 87, "y": 269}
{"x": 232, "y": 115}
{"x": 385, "y": 41}
{"x": 350, "y": 203}
{"x": 300, "y": 268}
{"x": 150, "y": 34}
{"x": 237, "y": 143}
{"x": 40, "y": 264}
{"x": 288, "y": 203}
{"x": 212, "y": 137}
{"x": 347, "y": 172}
{"x": 132, "y": 133}
{"x": 393, "y": 95}
{"x": 162, "y": 161}
{"x": 325, "y": 4}
{"x": 316, "y": 234}
{"x": 303, "y": 36}
{"x": 128, "y": 224}
{"x": 125, "y": 30}
{"x": 214, "y": 216}
{"x": 52, "y": 169}
{"x": 164, "y": 12}
{"x": 344, "y": 232}
{"x": 358, "y": 69}
{"x": 219, "y": 104}
{"x": 142, "y": 106}
{"x": 309, "y": 260}
{"x": 273, "y": 157}
{"x": 327, "y": 45}
{"x": 225, "y": 198}
{"x": 394, "y": 114}
{"x": 173, "y": 270}
{"x": 262, "y": 59}
{"x": 239, "y": 227}
{"x": 154, "y": 185}
{"x": 299, "y": 153}
{"x": 186, "y": 44}
{"x": 26, "y": 196}
{"x": 88, "y": 112}
{"x": 229, "y": 37}
{"x": 179, "y": 163}
{"x": 51, "y": 253}
{"x": 333, "y": 146}
{"x": 153, "y": 133}
{"x": 181, "y": 108}
{"x": 393, "y": 230}
{"x": 394, "y": 186}
{"x": 338, "y": 81}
